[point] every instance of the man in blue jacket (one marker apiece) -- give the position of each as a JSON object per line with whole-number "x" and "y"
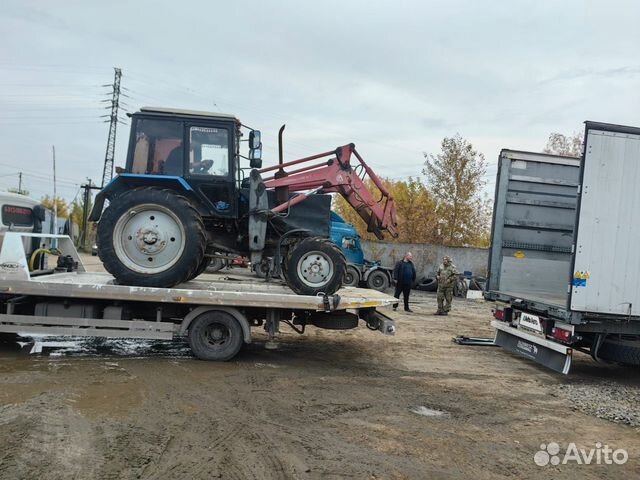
{"x": 405, "y": 275}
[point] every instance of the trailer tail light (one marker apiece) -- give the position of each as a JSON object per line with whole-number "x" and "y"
{"x": 498, "y": 313}
{"x": 561, "y": 334}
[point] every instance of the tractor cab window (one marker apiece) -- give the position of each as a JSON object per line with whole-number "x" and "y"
{"x": 158, "y": 148}
{"x": 208, "y": 151}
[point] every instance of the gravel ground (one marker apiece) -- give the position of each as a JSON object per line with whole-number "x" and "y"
{"x": 616, "y": 402}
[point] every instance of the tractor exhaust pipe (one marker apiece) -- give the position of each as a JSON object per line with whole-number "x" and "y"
{"x": 280, "y": 154}
{"x": 282, "y": 193}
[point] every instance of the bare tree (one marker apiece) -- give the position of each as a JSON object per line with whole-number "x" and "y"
{"x": 568, "y": 146}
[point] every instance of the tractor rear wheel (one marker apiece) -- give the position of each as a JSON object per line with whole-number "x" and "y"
{"x": 315, "y": 265}
{"x": 151, "y": 237}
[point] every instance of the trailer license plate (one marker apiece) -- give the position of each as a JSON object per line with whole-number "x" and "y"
{"x": 531, "y": 321}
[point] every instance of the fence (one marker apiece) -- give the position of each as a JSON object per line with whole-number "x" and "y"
{"x": 426, "y": 258}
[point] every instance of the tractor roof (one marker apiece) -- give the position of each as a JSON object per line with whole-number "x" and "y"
{"x": 187, "y": 113}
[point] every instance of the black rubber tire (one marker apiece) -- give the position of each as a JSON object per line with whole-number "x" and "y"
{"x": 624, "y": 352}
{"x": 214, "y": 265}
{"x": 330, "y": 250}
{"x": 378, "y": 280}
{"x": 261, "y": 270}
{"x": 428, "y": 284}
{"x": 351, "y": 277}
{"x": 460, "y": 288}
{"x": 201, "y": 269}
{"x": 206, "y": 348}
{"x": 195, "y": 239}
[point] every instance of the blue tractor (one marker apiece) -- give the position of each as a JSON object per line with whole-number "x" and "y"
{"x": 359, "y": 272}
{"x": 186, "y": 193}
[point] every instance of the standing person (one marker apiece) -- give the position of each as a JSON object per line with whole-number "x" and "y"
{"x": 405, "y": 274}
{"x": 447, "y": 275}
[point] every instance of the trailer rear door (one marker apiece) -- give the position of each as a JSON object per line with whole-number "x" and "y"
{"x": 532, "y": 231}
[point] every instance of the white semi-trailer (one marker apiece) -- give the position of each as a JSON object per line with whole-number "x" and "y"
{"x": 565, "y": 259}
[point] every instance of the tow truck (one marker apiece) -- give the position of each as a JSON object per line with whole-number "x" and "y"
{"x": 216, "y": 316}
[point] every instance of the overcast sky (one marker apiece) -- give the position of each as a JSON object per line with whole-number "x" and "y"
{"x": 394, "y": 77}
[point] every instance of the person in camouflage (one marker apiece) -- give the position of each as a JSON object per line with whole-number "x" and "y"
{"x": 447, "y": 275}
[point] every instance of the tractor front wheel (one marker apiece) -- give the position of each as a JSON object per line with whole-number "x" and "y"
{"x": 151, "y": 237}
{"x": 315, "y": 265}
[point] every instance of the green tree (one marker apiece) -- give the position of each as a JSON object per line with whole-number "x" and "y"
{"x": 455, "y": 178}
{"x": 568, "y": 146}
{"x": 63, "y": 207}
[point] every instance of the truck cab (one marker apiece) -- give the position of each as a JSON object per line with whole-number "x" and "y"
{"x": 360, "y": 271}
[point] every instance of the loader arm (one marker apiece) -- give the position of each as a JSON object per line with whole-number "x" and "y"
{"x": 335, "y": 174}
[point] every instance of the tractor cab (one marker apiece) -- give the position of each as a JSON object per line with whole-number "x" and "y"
{"x": 200, "y": 151}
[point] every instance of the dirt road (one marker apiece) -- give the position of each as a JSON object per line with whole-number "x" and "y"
{"x": 325, "y": 405}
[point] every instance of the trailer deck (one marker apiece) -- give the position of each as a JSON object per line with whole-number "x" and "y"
{"x": 230, "y": 291}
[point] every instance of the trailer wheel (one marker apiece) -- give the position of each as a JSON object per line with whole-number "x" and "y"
{"x": 151, "y": 237}
{"x": 378, "y": 280}
{"x": 351, "y": 277}
{"x": 215, "y": 335}
{"x": 315, "y": 265}
{"x": 624, "y": 352}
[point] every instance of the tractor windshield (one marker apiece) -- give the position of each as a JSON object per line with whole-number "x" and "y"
{"x": 209, "y": 151}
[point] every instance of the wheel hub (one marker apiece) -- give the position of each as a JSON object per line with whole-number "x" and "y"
{"x": 217, "y": 334}
{"x": 315, "y": 268}
{"x": 149, "y": 239}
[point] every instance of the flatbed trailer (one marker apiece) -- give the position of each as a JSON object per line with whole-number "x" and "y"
{"x": 563, "y": 262}
{"x": 216, "y": 314}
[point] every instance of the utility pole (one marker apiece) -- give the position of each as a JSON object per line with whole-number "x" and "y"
{"x": 55, "y": 198}
{"x": 86, "y": 199}
{"x": 20, "y": 183}
{"x": 107, "y": 173}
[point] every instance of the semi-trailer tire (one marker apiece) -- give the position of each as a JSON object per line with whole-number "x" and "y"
{"x": 626, "y": 352}
{"x": 351, "y": 277}
{"x": 151, "y": 237}
{"x": 378, "y": 280}
{"x": 315, "y": 265}
{"x": 215, "y": 335}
